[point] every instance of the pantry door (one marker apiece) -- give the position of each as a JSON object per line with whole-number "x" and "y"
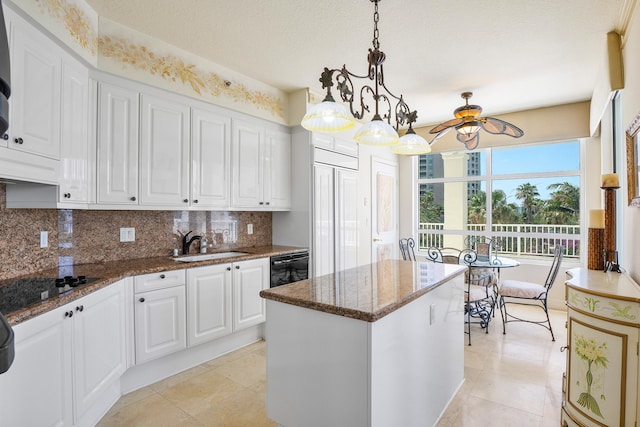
{"x": 384, "y": 209}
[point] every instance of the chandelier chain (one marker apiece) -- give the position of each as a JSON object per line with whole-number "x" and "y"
{"x": 376, "y": 17}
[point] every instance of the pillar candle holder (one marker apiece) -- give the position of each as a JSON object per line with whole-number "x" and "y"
{"x": 596, "y": 249}
{"x": 610, "y": 254}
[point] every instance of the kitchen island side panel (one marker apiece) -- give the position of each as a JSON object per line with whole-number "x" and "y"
{"x": 417, "y": 358}
{"x": 317, "y": 368}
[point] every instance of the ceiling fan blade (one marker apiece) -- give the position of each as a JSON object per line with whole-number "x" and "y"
{"x": 470, "y": 141}
{"x": 497, "y": 126}
{"x": 441, "y": 134}
{"x": 446, "y": 125}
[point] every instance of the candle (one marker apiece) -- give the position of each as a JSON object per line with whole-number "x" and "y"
{"x": 610, "y": 180}
{"x": 596, "y": 218}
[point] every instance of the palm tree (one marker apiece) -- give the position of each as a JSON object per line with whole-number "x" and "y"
{"x": 528, "y": 193}
{"x": 564, "y": 205}
{"x": 502, "y": 212}
{"x": 478, "y": 208}
{"x": 429, "y": 210}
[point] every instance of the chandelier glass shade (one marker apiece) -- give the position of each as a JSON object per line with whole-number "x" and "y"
{"x": 328, "y": 116}
{"x": 389, "y": 111}
{"x": 411, "y": 144}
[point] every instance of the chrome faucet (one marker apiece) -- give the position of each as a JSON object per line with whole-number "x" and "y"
{"x": 186, "y": 243}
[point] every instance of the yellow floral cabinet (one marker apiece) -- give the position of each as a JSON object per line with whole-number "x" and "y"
{"x": 600, "y": 385}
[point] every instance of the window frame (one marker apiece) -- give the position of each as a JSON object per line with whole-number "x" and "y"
{"x": 488, "y": 179}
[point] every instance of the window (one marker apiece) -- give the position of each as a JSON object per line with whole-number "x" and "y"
{"x": 528, "y": 197}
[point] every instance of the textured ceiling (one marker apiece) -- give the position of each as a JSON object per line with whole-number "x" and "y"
{"x": 512, "y": 54}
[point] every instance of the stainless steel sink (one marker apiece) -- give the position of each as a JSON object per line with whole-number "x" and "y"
{"x": 207, "y": 257}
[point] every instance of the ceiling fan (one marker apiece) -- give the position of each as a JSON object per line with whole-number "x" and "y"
{"x": 468, "y": 124}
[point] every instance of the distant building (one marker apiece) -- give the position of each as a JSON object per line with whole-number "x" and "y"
{"x": 432, "y": 166}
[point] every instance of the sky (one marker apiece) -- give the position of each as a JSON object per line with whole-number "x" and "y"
{"x": 537, "y": 158}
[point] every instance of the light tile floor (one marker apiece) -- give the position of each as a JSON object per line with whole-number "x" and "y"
{"x": 512, "y": 379}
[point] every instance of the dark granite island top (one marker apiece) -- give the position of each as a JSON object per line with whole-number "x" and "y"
{"x": 377, "y": 345}
{"x": 368, "y": 292}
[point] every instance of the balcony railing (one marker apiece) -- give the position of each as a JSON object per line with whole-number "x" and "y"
{"x": 521, "y": 239}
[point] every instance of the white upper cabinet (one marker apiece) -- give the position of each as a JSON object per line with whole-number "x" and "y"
{"x": 257, "y": 154}
{"x": 74, "y": 165}
{"x": 35, "y": 91}
{"x": 210, "y": 159}
{"x": 164, "y": 152}
{"x": 117, "y": 149}
{"x": 278, "y": 169}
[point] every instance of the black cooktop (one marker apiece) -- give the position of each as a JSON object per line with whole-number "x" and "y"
{"x": 22, "y": 293}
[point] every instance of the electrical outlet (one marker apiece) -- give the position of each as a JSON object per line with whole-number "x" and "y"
{"x": 249, "y": 228}
{"x": 127, "y": 234}
{"x": 44, "y": 239}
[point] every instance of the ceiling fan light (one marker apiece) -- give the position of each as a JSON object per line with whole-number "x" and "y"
{"x": 469, "y": 127}
{"x": 328, "y": 116}
{"x": 411, "y": 144}
{"x": 377, "y": 132}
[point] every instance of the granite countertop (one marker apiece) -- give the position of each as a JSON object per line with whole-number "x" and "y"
{"x": 109, "y": 272}
{"x": 368, "y": 292}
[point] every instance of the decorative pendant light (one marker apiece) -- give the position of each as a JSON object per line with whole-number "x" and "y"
{"x": 329, "y": 116}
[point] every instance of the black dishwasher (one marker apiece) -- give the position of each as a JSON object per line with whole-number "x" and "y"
{"x": 289, "y": 268}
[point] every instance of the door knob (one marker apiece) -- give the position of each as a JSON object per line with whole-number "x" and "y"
{"x": 376, "y": 239}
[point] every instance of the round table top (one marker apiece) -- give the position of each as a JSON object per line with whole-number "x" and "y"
{"x": 494, "y": 262}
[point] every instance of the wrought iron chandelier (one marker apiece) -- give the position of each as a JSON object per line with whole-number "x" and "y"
{"x": 330, "y": 116}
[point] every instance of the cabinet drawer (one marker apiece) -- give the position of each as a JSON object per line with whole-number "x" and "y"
{"x": 153, "y": 281}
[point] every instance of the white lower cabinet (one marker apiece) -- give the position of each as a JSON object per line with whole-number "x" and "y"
{"x": 225, "y": 298}
{"x": 65, "y": 359}
{"x": 208, "y": 303}
{"x": 160, "y": 315}
{"x": 249, "y": 278}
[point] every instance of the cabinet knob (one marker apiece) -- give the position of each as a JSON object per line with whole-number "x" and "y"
{"x": 68, "y": 314}
{"x": 267, "y": 203}
{"x": 237, "y": 267}
{"x": 80, "y": 308}
{"x": 133, "y": 199}
{"x": 18, "y": 140}
{"x": 141, "y": 300}
{"x": 195, "y": 201}
{"x": 566, "y": 347}
{"x": 162, "y": 276}
{"x": 186, "y": 200}
{"x": 67, "y": 195}
{"x": 261, "y": 203}
{"x": 228, "y": 268}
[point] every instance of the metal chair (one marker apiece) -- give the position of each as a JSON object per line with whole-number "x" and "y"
{"x": 479, "y": 295}
{"x": 406, "y": 248}
{"x": 528, "y": 293}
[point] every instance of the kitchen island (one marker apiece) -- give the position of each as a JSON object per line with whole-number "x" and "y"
{"x": 377, "y": 345}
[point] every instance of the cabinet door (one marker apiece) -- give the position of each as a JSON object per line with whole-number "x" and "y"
{"x": 208, "y": 303}
{"x": 323, "y": 220}
{"x": 249, "y": 278}
{"x": 277, "y": 167}
{"x": 210, "y": 159}
{"x": 74, "y": 173}
{"x": 37, "y": 388}
{"x": 346, "y": 219}
{"x": 602, "y": 370}
{"x": 159, "y": 323}
{"x": 117, "y": 145}
{"x": 246, "y": 184}
{"x": 98, "y": 344}
{"x": 35, "y": 95}
{"x": 164, "y": 152}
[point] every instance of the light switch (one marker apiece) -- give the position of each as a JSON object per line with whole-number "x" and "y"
{"x": 249, "y": 228}
{"x": 127, "y": 234}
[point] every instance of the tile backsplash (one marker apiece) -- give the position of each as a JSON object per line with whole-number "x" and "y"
{"x": 89, "y": 236}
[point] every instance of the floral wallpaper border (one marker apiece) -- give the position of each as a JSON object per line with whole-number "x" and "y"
{"x": 170, "y": 67}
